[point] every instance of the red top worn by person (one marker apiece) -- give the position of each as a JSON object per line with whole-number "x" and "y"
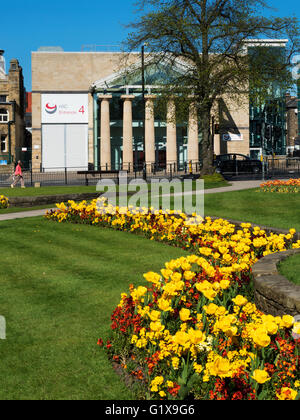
{"x": 18, "y": 176}
{"x": 18, "y": 170}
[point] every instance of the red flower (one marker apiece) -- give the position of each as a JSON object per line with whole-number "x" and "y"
{"x": 237, "y": 396}
{"x": 174, "y": 391}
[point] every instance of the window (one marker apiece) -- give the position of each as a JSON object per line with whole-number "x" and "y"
{"x": 224, "y": 158}
{"x": 3, "y": 143}
{"x": 3, "y": 115}
{"x": 3, "y": 98}
{"x": 241, "y": 157}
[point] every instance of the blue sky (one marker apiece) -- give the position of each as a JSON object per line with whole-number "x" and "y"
{"x": 27, "y": 25}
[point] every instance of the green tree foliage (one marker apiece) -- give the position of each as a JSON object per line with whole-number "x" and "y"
{"x": 208, "y": 40}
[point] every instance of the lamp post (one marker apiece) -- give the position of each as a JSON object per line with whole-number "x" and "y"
{"x": 263, "y": 134}
{"x": 144, "y": 107}
{"x": 263, "y": 150}
{"x": 143, "y": 71}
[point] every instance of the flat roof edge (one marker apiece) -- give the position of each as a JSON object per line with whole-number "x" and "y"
{"x": 84, "y": 52}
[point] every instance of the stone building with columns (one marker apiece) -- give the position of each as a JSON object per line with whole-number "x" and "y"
{"x": 88, "y": 113}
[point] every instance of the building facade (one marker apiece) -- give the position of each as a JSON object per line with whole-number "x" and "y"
{"x": 12, "y": 104}
{"x": 88, "y": 113}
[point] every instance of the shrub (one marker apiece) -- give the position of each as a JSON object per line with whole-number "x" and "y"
{"x": 213, "y": 178}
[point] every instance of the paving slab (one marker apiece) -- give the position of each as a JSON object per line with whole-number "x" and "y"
{"x": 22, "y": 214}
{"x": 235, "y": 186}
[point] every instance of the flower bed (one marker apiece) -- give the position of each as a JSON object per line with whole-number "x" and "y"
{"x": 4, "y": 203}
{"x": 290, "y": 186}
{"x": 194, "y": 330}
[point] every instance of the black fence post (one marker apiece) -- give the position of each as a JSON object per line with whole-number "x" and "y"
{"x": 66, "y": 177}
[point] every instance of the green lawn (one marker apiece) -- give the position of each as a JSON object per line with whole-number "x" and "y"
{"x": 267, "y": 209}
{"x": 32, "y": 191}
{"x": 213, "y": 181}
{"x": 59, "y": 285}
{"x": 290, "y": 268}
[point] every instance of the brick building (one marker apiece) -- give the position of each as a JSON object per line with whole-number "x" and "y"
{"x": 12, "y": 97}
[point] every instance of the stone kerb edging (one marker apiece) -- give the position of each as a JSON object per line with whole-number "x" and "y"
{"x": 50, "y": 199}
{"x": 275, "y": 294}
{"x": 31, "y": 201}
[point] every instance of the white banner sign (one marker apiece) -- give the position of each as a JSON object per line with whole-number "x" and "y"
{"x": 65, "y": 108}
{"x": 232, "y": 137}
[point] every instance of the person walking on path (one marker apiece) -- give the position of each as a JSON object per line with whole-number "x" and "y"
{"x": 18, "y": 176}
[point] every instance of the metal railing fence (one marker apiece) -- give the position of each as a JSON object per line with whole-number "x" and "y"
{"x": 274, "y": 168}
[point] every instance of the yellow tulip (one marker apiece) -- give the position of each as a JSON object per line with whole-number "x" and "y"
{"x": 196, "y": 336}
{"x": 152, "y": 277}
{"x": 220, "y": 367}
{"x": 181, "y": 338}
{"x": 261, "y": 338}
{"x": 260, "y": 376}
{"x": 240, "y": 300}
{"x": 287, "y": 321}
{"x": 164, "y": 304}
{"x": 189, "y": 275}
{"x": 185, "y": 314}
{"x": 154, "y": 315}
{"x": 156, "y": 326}
{"x": 210, "y": 309}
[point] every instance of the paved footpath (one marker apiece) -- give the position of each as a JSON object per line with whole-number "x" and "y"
{"x": 236, "y": 186}
{"x": 22, "y": 214}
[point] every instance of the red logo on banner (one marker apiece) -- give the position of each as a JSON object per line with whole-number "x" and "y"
{"x": 50, "y": 109}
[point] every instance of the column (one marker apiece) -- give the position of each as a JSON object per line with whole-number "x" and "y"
{"x": 193, "y": 140}
{"x": 127, "y": 133}
{"x": 149, "y": 131}
{"x": 105, "y": 147}
{"x": 171, "y": 136}
{"x": 36, "y": 132}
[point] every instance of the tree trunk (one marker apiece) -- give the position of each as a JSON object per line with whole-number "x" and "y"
{"x": 207, "y": 143}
